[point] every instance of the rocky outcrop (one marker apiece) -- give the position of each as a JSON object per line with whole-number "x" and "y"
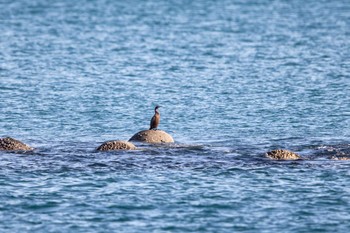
{"x": 13, "y": 144}
{"x": 116, "y": 145}
{"x": 152, "y": 136}
{"x": 282, "y": 155}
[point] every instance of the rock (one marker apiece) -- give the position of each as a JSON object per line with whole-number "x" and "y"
{"x": 116, "y": 145}
{"x": 13, "y": 144}
{"x": 282, "y": 155}
{"x": 152, "y": 136}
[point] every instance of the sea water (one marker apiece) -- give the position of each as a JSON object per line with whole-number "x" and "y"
{"x": 235, "y": 79}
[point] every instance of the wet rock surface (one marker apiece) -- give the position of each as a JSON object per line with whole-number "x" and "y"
{"x": 282, "y": 155}
{"x": 152, "y": 136}
{"x": 116, "y": 145}
{"x": 9, "y": 143}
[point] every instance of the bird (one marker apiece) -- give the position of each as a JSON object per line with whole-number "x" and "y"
{"x": 155, "y": 119}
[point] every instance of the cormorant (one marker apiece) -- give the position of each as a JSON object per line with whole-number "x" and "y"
{"x": 155, "y": 119}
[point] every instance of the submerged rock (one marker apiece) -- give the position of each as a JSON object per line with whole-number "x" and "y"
{"x": 13, "y": 144}
{"x": 116, "y": 145}
{"x": 282, "y": 155}
{"x": 152, "y": 136}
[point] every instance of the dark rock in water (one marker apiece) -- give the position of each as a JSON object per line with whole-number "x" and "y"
{"x": 152, "y": 136}
{"x": 282, "y": 155}
{"x": 13, "y": 144}
{"x": 334, "y": 152}
{"x": 116, "y": 145}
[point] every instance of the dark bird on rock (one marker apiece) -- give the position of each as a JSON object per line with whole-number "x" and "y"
{"x": 155, "y": 119}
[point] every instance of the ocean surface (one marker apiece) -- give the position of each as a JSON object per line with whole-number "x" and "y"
{"x": 235, "y": 79}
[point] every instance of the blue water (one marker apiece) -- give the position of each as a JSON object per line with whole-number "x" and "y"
{"x": 234, "y": 79}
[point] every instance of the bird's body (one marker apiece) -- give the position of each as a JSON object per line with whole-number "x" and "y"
{"x": 155, "y": 119}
